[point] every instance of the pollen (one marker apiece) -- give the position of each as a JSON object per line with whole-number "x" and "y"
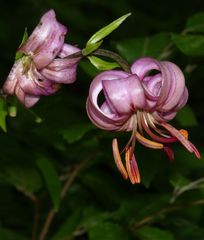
{"x": 184, "y": 133}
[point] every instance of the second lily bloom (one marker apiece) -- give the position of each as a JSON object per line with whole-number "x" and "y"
{"x": 44, "y": 64}
{"x": 141, "y": 102}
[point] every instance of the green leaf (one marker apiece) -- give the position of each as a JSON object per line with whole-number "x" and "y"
{"x": 153, "y": 46}
{"x": 192, "y": 45}
{"x": 76, "y": 132}
{"x": 24, "y": 178}
{"x": 88, "y": 68}
{"x": 152, "y": 233}
{"x": 51, "y": 179}
{"x": 196, "y": 23}
{"x": 101, "y": 64}
{"x": 178, "y": 181}
{"x": 24, "y": 39}
{"x": 108, "y": 231}
{"x": 96, "y": 40}
{"x": 3, "y": 114}
{"x": 6, "y": 234}
{"x": 185, "y": 229}
{"x": 186, "y": 117}
{"x": 91, "y": 47}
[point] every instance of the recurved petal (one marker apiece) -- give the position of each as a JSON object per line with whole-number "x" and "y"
{"x": 68, "y": 49}
{"x": 164, "y": 116}
{"x": 125, "y": 95}
{"x": 67, "y": 75}
{"x": 30, "y": 100}
{"x": 26, "y": 99}
{"x": 96, "y": 86}
{"x": 104, "y": 118}
{"x": 46, "y": 40}
{"x": 64, "y": 61}
{"x": 183, "y": 100}
{"x": 32, "y": 83}
{"x": 143, "y": 65}
{"x": 173, "y": 87}
{"x": 63, "y": 70}
{"x": 12, "y": 79}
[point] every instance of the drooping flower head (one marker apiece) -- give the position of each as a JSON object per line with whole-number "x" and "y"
{"x": 142, "y": 101}
{"x": 44, "y": 65}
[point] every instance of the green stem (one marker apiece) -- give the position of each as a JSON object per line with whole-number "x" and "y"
{"x": 116, "y": 57}
{"x": 105, "y": 53}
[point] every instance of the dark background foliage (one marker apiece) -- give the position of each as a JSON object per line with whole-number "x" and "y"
{"x": 53, "y": 147}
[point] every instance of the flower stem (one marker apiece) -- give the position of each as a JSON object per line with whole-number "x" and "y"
{"x": 107, "y": 53}
{"x": 74, "y": 55}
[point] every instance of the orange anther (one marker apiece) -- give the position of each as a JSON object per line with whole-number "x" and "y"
{"x": 184, "y": 133}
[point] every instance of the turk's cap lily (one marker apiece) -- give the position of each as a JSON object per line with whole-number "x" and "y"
{"x": 46, "y": 40}
{"x": 141, "y": 102}
{"x": 47, "y": 62}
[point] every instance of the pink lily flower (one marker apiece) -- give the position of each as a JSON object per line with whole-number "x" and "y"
{"x": 45, "y": 63}
{"x": 140, "y": 102}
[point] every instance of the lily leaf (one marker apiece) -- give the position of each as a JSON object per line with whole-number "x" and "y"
{"x": 76, "y": 132}
{"x": 152, "y": 233}
{"x": 91, "y": 47}
{"x": 102, "y": 33}
{"x": 101, "y": 64}
{"x": 192, "y": 45}
{"x": 196, "y": 23}
{"x": 51, "y": 179}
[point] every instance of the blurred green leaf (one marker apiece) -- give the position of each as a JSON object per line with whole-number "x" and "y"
{"x": 92, "y": 216}
{"x": 152, "y": 233}
{"x": 3, "y": 114}
{"x": 107, "y": 231}
{"x": 140, "y": 205}
{"x": 23, "y": 178}
{"x": 76, "y": 132}
{"x": 178, "y": 181}
{"x": 101, "y": 64}
{"x": 196, "y": 23}
{"x": 186, "y": 117}
{"x": 6, "y": 234}
{"x": 51, "y": 179}
{"x": 192, "y": 45}
{"x": 185, "y": 229}
{"x": 151, "y": 46}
